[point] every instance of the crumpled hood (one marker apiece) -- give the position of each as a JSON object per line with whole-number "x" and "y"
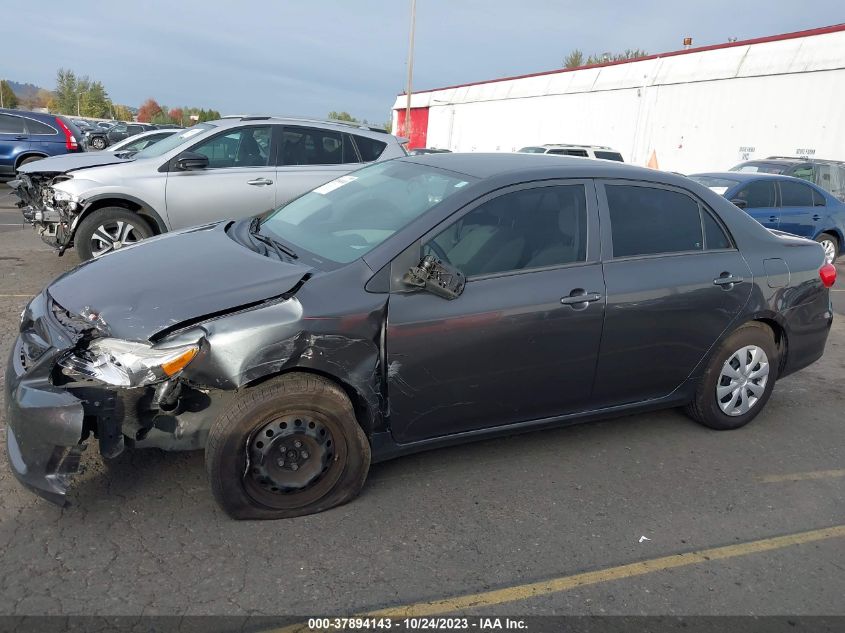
{"x": 69, "y": 162}
{"x": 171, "y": 279}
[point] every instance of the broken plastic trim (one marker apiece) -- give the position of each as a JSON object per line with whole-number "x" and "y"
{"x": 437, "y": 277}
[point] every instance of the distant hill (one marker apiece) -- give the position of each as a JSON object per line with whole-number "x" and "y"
{"x": 24, "y": 91}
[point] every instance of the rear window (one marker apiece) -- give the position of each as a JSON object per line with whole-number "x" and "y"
{"x": 609, "y": 155}
{"x": 369, "y": 148}
{"x": 37, "y": 127}
{"x": 795, "y": 194}
{"x": 533, "y": 150}
{"x": 581, "y": 153}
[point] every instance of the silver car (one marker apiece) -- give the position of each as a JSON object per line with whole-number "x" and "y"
{"x": 230, "y": 168}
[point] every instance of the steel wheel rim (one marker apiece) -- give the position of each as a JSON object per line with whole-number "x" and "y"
{"x": 742, "y": 380}
{"x": 110, "y": 236}
{"x": 829, "y": 250}
{"x": 274, "y": 483}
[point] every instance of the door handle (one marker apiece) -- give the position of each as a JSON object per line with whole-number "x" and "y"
{"x": 258, "y": 182}
{"x": 817, "y": 217}
{"x": 727, "y": 280}
{"x": 21, "y": 138}
{"x": 773, "y": 218}
{"x": 580, "y": 298}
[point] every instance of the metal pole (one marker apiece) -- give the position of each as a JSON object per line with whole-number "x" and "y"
{"x": 1, "y": 95}
{"x": 410, "y": 68}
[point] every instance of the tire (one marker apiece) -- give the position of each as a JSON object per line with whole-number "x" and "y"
{"x": 99, "y": 143}
{"x": 244, "y": 453}
{"x": 830, "y": 243}
{"x": 706, "y": 407}
{"x": 29, "y": 159}
{"x": 125, "y": 227}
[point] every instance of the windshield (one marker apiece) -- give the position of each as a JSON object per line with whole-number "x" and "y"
{"x": 715, "y": 182}
{"x": 347, "y": 217}
{"x": 172, "y": 142}
{"x": 762, "y": 168}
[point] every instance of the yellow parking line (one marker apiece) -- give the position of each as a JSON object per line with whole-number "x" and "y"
{"x": 816, "y": 474}
{"x": 564, "y": 583}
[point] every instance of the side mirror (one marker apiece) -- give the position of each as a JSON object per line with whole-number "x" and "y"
{"x": 189, "y": 161}
{"x": 436, "y": 277}
{"x": 742, "y": 204}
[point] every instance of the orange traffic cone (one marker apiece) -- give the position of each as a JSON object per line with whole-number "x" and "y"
{"x": 652, "y": 162}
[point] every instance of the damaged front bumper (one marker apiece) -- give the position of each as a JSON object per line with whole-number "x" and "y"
{"x": 53, "y": 222}
{"x": 44, "y": 424}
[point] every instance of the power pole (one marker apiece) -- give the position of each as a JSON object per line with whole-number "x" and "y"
{"x": 410, "y": 68}
{"x": 1, "y": 94}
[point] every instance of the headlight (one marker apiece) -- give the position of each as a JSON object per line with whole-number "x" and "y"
{"x": 63, "y": 198}
{"x": 128, "y": 364}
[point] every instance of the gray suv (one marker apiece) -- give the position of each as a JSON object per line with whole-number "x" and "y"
{"x": 230, "y": 168}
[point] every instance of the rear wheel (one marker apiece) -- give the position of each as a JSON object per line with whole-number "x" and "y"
{"x": 109, "y": 229}
{"x": 98, "y": 143}
{"x": 738, "y": 380}
{"x": 286, "y": 448}
{"x": 830, "y": 245}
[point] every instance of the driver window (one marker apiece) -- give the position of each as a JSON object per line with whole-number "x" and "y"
{"x": 247, "y": 147}
{"x": 531, "y": 228}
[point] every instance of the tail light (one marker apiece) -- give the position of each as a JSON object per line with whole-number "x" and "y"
{"x": 70, "y": 139}
{"x": 827, "y": 274}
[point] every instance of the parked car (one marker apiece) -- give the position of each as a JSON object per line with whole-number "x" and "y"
{"x": 231, "y": 168}
{"x": 134, "y": 144}
{"x": 784, "y": 203}
{"x": 827, "y": 174}
{"x": 581, "y": 151}
{"x": 416, "y": 303}
{"x": 28, "y": 136}
{"x": 101, "y": 139}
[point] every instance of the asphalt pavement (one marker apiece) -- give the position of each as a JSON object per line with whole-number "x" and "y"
{"x": 580, "y": 520}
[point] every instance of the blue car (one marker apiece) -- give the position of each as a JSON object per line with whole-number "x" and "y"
{"x": 28, "y": 136}
{"x": 787, "y": 204}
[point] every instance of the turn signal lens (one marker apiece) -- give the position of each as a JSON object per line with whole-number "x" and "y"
{"x": 827, "y": 274}
{"x": 173, "y": 367}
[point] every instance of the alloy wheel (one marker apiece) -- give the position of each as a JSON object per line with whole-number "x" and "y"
{"x": 742, "y": 380}
{"x": 110, "y": 236}
{"x": 829, "y": 250}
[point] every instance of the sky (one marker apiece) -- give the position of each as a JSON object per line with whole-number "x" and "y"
{"x": 309, "y": 57}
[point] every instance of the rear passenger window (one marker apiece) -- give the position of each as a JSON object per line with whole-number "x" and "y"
{"x": 581, "y": 153}
{"x": 11, "y": 124}
{"x": 37, "y": 127}
{"x": 313, "y": 146}
{"x": 650, "y": 221}
{"x": 370, "y": 148}
{"x": 795, "y": 194}
{"x": 532, "y": 228}
{"x": 759, "y": 194}
{"x": 714, "y": 235}
{"x": 818, "y": 199}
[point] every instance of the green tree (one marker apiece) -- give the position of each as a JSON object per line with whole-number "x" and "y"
{"x": 603, "y": 58}
{"x": 575, "y": 59}
{"x": 342, "y": 116}
{"x": 7, "y": 95}
{"x": 66, "y": 92}
{"x": 122, "y": 113}
{"x": 94, "y": 102}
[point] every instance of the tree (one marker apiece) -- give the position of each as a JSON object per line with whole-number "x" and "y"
{"x": 148, "y": 110}
{"x": 575, "y": 59}
{"x": 342, "y": 116}
{"x": 66, "y": 92}
{"x": 7, "y": 95}
{"x": 177, "y": 116}
{"x": 603, "y": 58}
{"x": 94, "y": 102}
{"x": 122, "y": 113}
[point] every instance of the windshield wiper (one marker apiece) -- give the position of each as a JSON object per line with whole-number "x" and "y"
{"x": 255, "y": 232}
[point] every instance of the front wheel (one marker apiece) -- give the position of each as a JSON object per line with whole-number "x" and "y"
{"x": 109, "y": 229}
{"x": 98, "y": 143}
{"x": 738, "y": 380}
{"x": 830, "y": 245}
{"x": 286, "y": 448}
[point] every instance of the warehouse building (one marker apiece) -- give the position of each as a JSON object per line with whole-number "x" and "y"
{"x": 689, "y": 110}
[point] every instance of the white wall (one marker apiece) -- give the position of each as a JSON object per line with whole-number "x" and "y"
{"x": 696, "y": 110}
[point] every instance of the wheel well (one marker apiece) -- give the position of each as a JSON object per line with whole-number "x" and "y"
{"x": 126, "y": 204}
{"x": 363, "y": 413}
{"x": 26, "y": 155}
{"x": 779, "y": 336}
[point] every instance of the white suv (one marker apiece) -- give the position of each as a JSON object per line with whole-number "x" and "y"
{"x": 582, "y": 151}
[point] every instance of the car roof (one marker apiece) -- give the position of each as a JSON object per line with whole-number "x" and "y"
{"x": 481, "y": 165}
{"x": 340, "y": 126}
{"x": 564, "y": 145}
{"x": 746, "y": 176}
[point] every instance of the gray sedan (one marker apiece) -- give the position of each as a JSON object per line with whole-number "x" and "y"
{"x": 415, "y": 303}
